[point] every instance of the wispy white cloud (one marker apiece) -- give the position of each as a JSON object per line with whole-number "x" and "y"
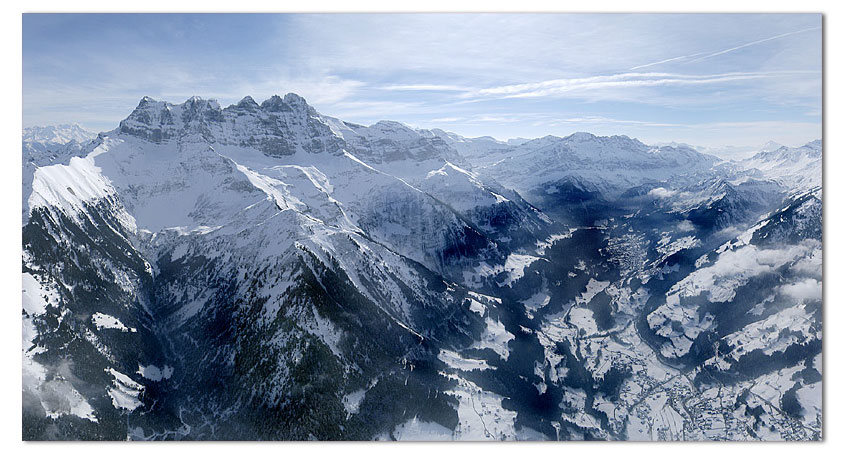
{"x": 598, "y": 120}
{"x": 320, "y": 90}
{"x": 558, "y": 87}
{"x": 425, "y": 88}
{"x": 372, "y": 111}
{"x": 661, "y": 192}
{"x": 496, "y": 119}
{"x": 808, "y": 289}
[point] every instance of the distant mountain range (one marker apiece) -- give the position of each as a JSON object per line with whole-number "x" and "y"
{"x": 58, "y": 134}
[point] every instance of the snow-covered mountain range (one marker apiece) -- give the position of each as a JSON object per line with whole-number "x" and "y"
{"x": 57, "y": 134}
{"x": 264, "y": 271}
{"x": 799, "y": 167}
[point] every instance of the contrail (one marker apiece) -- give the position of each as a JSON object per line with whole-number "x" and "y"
{"x": 666, "y": 61}
{"x": 753, "y": 43}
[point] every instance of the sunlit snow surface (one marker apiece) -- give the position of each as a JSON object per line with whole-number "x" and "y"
{"x": 56, "y": 395}
{"x": 104, "y": 321}
{"x": 125, "y": 392}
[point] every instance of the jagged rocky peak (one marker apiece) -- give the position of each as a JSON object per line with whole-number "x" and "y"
{"x": 151, "y": 112}
{"x": 278, "y": 126}
{"x": 159, "y": 121}
{"x": 291, "y": 102}
{"x": 247, "y": 103}
{"x": 197, "y": 104}
{"x": 147, "y": 120}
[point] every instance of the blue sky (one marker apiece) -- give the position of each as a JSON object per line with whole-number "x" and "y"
{"x": 713, "y": 80}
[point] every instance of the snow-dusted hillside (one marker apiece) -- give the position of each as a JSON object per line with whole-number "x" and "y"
{"x": 47, "y": 146}
{"x": 799, "y": 167}
{"x": 263, "y": 271}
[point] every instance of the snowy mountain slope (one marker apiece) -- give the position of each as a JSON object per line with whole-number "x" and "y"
{"x": 39, "y": 154}
{"x": 431, "y": 161}
{"x": 728, "y": 152}
{"x": 183, "y": 201}
{"x": 479, "y": 151}
{"x": 612, "y": 164}
{"x": 44, "y": 146}
{"x": 388, "y": 184}
{"x": 715, "y": 203}
{"x": 799, "y": 167}
{"x": 579, "y": 178}
{"x": 95, "y": 329}
{"x": 299, "y": 277}
{"x": 388, "y": 141}
{"x": 751, "y": 306}
{"x": 350, "y": 307}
